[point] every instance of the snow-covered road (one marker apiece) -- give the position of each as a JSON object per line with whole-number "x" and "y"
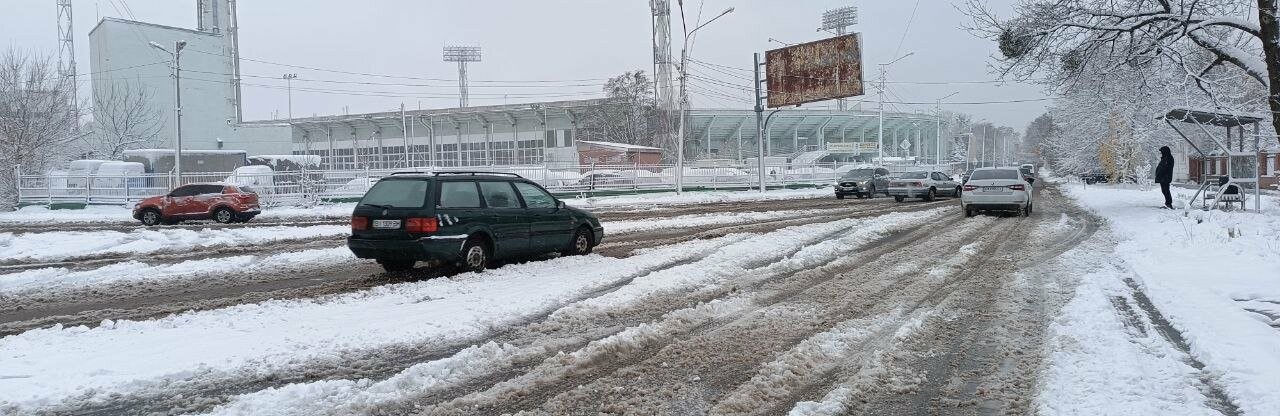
{"x": 801, "y": 306}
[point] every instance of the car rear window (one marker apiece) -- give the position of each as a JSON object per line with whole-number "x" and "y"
{"x": 459, "y": 195}
{"x": 915, "y": 175}
{"x": 397, "y": 194}
{"x": 994, "y": 174}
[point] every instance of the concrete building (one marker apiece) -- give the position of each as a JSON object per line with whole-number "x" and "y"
{"x": 534, "y": 134}
{"x": 122, "y": 58}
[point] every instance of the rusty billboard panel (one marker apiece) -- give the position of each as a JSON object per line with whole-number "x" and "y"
{"x": 816, "y": 71}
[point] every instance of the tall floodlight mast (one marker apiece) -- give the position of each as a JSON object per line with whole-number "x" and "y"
{"x": 836, "y": 20}
{"x": 462, "y": 55}
{"x": 67, "y": 58}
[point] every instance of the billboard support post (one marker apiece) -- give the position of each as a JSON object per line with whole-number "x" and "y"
{"x": 760, "y": 138}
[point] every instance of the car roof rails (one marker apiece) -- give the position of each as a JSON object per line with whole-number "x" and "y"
{"x": 471, "y": 173}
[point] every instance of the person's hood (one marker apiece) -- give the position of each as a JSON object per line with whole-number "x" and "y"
{"x": 1165, "y": 152}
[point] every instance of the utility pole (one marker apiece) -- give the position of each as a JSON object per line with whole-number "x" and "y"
{"x": 288, "y": 79}
{"x": 984, "y": 146}
{"x": 938, "y": 135}
{"x": 884, "y": 70}
{"x": 684, "y": 93}
{"x": 404, "y": 130}
{"x": 177, "y": 104}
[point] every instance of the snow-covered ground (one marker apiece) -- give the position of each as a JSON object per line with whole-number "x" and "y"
{"x": 1204, "y": 272}
{"x": 697, "y": 220}
{"x": 58, "y": 245}
{"x": 700, "y": 197}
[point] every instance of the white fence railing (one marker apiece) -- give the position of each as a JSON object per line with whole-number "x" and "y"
{"x": 307, "y": 187}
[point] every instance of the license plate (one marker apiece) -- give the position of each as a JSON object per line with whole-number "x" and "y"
{"x": 993, "y": 189}
{"x": 386, "y": 224}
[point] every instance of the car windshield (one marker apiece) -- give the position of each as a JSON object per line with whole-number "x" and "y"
{"x": 915, "y": 175}
{"x": 994, "y": 174}
{"x": 860, "y": 174}
{"x": 397, "y": 194}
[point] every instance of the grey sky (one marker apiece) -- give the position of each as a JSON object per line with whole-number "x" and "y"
{"x": 548, "y": 40}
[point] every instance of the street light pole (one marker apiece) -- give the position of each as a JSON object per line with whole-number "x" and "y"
{"x": 684, "y": 93}
{"x": 760, "y": 137}
{"x": 177, "y": 105}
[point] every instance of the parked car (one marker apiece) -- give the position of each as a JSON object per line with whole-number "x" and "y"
{"x": 469, "y": 219}
{"x": 221, "y": 202}
{"x": 923, "y": 184}
{"x": 997, "y": 189}
{"x": 863, "y": 183}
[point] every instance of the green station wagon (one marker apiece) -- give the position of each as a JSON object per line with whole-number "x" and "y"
{"x": 469, "y": 219}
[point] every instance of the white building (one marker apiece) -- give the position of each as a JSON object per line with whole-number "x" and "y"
{"x": 122, "y": 57}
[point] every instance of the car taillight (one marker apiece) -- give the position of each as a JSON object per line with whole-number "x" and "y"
{"x": 359, "y": 223}
{"x": 1017, "y": 187}
{"x": 970, "y": 188}
{"x": 422, "y": 225}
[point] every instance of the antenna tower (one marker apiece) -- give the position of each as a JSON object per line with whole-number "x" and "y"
{"x": 835, "y": 21}
{"x": 462, "y": 55}
{"x": 67, "y": 58}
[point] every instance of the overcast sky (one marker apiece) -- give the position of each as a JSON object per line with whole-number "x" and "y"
{"x": 544, "y": 50}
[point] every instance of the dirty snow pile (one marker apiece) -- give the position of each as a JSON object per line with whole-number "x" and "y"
{"x": 1214, "y": 276}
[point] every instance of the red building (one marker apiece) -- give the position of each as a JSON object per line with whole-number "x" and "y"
{"x": 593, "y": 153}
{"x": 1268, "y": 166}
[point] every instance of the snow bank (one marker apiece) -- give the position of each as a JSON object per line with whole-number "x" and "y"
{"x": 1199, "y": 269}
{"x": 702, "y": 197}
{"x": 58, "y": 278}
{"x": 59, "y": 245}
{"x": 698, "y": 220}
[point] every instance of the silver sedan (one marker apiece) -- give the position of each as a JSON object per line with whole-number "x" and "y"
{"x": 997, "y": 189}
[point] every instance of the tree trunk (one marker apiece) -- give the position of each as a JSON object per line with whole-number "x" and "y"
{"x": 1271, "y": 51}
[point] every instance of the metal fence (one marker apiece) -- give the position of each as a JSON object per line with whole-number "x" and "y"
{"x": 309, "y": 187}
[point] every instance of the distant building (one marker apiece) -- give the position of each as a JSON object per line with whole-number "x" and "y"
{"x": 121, "y": 57}
{"x": 618, "y": 154}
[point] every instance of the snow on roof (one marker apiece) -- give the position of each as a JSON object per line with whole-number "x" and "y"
{"x": 619, "y": 145}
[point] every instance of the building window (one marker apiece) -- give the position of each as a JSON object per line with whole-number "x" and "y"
{"x": 568, "y": 138}
{"x": 551, "y": 138}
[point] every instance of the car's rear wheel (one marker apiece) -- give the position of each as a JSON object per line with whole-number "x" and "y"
{"x": 872, "y": 193}
{"x": 582, "y": 243}
{"x": 396, "y": 265}
{"x": 928, "y": 196}
{"x": 899, "y": 198}
{"x": 1026, "y": 211}
{"x": 151, "y": 218}
{"x": 224, "y": 215}
{"x": 968, "y": 212}
{"x": 475, "y": 255}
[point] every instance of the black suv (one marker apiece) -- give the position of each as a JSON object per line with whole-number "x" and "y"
{"x": 469, "y": 219}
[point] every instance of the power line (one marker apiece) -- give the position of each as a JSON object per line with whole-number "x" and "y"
{"x": 400, "y": 84}
{"x": 367, "y": 74}
{"x": 387, "y": 94}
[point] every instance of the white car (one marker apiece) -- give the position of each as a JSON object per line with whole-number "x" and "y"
{"x": 997, "y": 189}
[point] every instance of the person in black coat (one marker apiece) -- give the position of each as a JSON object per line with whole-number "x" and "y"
{"x": 1164, "y": 175}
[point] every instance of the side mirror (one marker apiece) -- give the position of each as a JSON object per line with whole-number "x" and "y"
{"x": 559, "y": 204}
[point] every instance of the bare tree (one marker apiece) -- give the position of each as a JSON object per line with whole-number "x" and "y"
{"x": 36, "y": 118}
{"x": 123, "y": 119}
{"x": 1211, "y": 43}
{"x": 629, "y": 114}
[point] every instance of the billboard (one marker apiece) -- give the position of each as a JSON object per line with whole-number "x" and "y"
{"x": 816, "y": 71}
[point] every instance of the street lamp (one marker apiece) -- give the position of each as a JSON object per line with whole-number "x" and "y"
{"x": 938, "y": 132}
{"x": 684, "y": 95}
{"x": 288, "y": 79}
{"x": 177, "y": 104}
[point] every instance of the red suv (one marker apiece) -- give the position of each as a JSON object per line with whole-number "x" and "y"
{"x": 199, "y": 201}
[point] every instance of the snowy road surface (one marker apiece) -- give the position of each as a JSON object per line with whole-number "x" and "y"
{"x": 728, "y": 305}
